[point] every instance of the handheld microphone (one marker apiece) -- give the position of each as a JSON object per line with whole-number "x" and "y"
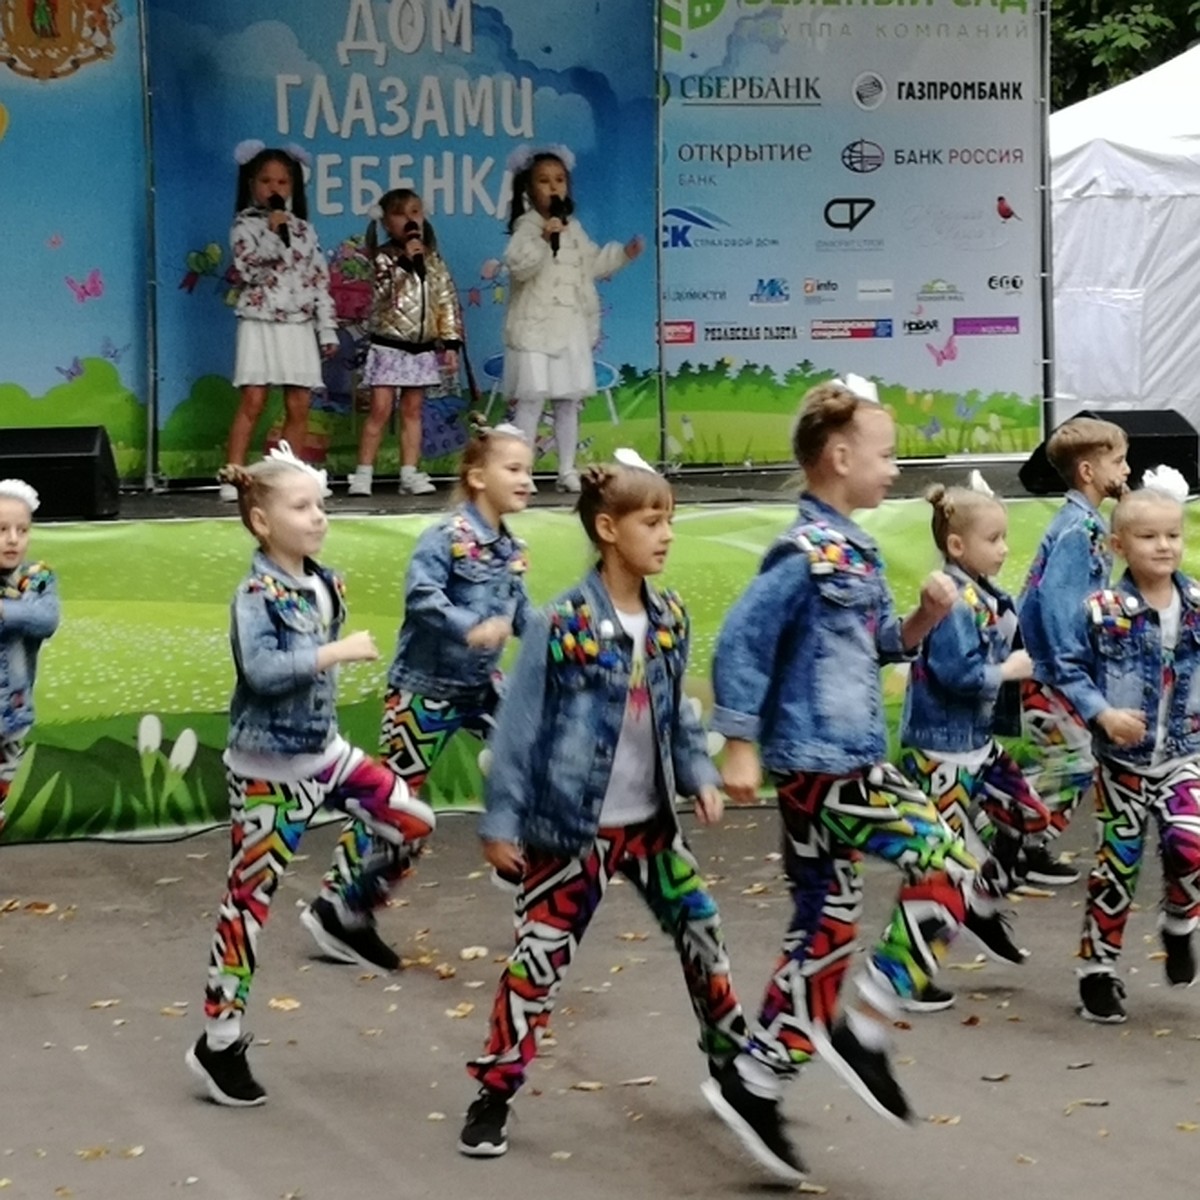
{"x": 561, "y": 208}
{"x": 415, "y": 254}
{"x": 276, "y": 203}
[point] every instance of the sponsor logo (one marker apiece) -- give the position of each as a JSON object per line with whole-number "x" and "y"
{"x": 696, "y": 295}
{"x": 960, "y": 89}
{"x": 686, "y": 228}
{"x": 750, "y": 333}
{"x": 869, "y": 91}
{"x": 986, "y": 326}
{"x": 961, "y": 228}
{"x": 677, "y": 18}
{"x": 848, "y": 212}
{"x": 915, "y": 326}
{"x": 678, "y": 333}
{"x": 876, "y": 289}
{"x": 1008, "y": 284}
{"x": 851, "y": 328}
{"x": 771, "y": 291}
{"x": 748, "y": 91}
{"x": 863, "y": 157}
{"x": 957, "y": 156}
{"x": 938, "y": 290}
{"x": 820, "y": 291}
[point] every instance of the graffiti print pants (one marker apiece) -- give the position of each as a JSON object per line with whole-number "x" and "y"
{"x": 1063, "y": 743}
{"x": 11, "y": 752}
{"x": 416, "y": 729}
{"x": 829, "y": 823}
{"x": 268, "y": 820}
{"x": 555, "y": 903}
{"x": 1126, "y": 801}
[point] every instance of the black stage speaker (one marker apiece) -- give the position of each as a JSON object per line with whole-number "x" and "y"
{"x": 72, "y": 469}
{"x": 1156, "y": 437}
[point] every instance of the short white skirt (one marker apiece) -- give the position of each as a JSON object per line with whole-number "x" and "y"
{"x": 277, "y": 352}
{"x": 568, "y": 375}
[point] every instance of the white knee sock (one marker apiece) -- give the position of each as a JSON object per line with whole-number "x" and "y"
{"x": 566, "y": 434}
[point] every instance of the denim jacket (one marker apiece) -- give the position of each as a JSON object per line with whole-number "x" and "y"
{"x": 281, "y": 703}
{"x": 1072, "y": 561}
{"x": 797, "y": 660}
{"x": 950, "y": 701}
{"x": 558, "y": 727}
{"x": 462, "y": 572}
{"x": 1121, "y": 666}
{"x": 28, "y": 616}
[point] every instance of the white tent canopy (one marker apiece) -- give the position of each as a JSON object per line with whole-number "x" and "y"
{"x": 1125, "y": 195}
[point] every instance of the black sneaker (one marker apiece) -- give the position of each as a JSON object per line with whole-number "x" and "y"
{"x": 1181, "y": 958}
{"x": 755, "y": 1121}
{"x": 362, "y": 947}
{"x": 865, "y": 1069}
{"x": 992, "y": 931}
{"x": 929, "y": 999}
{"x": 225, "y": 1073}
{"x": 1100, "y": 995}
{"x": 485, "y": 1131}
{"x": 1040, "y": 866}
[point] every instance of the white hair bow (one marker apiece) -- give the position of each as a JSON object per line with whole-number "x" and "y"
{"x": 631, "y": 458}
{"x": 282, "y": 453}
{"x": 1166, "y": 480}
{"x": 520, "y": 159}
{"x": 977, "y": 483}
{"x": 243, "y": 152}
{"x": 18, "y": 489}
{"x": 864, "y": 389}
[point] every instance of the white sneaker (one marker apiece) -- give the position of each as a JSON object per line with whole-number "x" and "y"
{"x": 568, "y": 483}
{"x": 227, "y": 493}
{"x": 360, "y": 485}
{"x": 416, "y": 484}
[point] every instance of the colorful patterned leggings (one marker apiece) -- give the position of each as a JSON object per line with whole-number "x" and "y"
{"x": 555, "y": 903}
{"x": 1066, "y": 765}
{"x": 1125, "y": 802}
{"x": 993, "y": 809}
{"x": 829, "y": 823}
{"x": 268, "y": 820}
{"x": 11, "y": 752}
{"x": 415, "y": 731}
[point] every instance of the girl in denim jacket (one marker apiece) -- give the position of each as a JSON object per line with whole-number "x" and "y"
{"x": 797, "y": 671}
{"x": 285, "y": 757}
{"x": 593, "y": 742}
{"x": 464, "y": 598}
{"x": 950, "y": 716}
{"x": 1136, "y": 680}
{"x": 28, "y": 616}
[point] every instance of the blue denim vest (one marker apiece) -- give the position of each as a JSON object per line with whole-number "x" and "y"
{"x": 950, "y": 700}
{"x": 797, "y": 660}
{"x": 281, "y": 703}
{"x": 1072, "y": 561}
{"x": 461, "y": 573}
{"x": 30, "y": 615}
{"x": 1121, "y": 666}
{"x": 558, "y": 726}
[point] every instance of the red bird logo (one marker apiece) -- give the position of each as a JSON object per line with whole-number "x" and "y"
{"x": 1006, "y": 210}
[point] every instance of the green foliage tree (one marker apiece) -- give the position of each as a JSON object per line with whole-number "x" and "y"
{"x": 1096, "y": 44}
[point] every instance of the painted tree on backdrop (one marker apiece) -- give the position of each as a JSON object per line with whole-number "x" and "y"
{"x": 1096, "y": 44}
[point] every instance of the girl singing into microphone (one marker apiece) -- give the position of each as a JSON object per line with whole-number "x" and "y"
{"x": 283, "y": 299}
{"x": 415, "y": 317}
{"x": 553, "y": 318}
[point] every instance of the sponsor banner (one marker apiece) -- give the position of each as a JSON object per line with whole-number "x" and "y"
{"x": 881, "y": 163}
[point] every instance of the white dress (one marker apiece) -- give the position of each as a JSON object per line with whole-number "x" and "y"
{"x": 277, "y": 352}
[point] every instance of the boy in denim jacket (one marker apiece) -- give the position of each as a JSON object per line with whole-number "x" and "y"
{"x": 1136, "y": 680}
{"x": 797, "y": 671}
{"x": 28, "y": 616}
{"x": 1072, "y": 561}
{"x": 464, "y": 597}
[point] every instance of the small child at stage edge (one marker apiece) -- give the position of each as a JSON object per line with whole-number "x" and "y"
{"x": 284, "y": 306}
{"x": 1072, "y": 561}
{"x": 285, "y": 756}
{"x": 1136, "y": 681}
{"x": 28, "y": 616}
{"x": 464, "y": 598}
{"x": 553, "y": 321}
{"x": 415, "y": 327}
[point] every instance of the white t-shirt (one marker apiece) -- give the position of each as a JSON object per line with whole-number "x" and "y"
{"x": 632, "y": 794}
{"x": 1168, "y": 623}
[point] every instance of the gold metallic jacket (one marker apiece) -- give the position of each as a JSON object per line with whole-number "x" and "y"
{"x": 411, "y": 313}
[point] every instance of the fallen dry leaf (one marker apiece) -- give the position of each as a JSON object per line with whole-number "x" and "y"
{"x": 4, "y": 1183}
{"x": 616, "y": 970}
{"x": 1162, "y": 1033}
{"x": 1000, "y": 1078}
{"x": 978, "y": 997}
{"x": 173, "y": 1010}
{"x": 436, "y": 1116}
{"x": 104, "y": 1004}
{"x": 971, "y": 966}
{"x": 1025, "y": 1160}
{"x": 63, "y": 1193}
{"x": 1082, "y": 1065}
{"x": 166, "y": 880}
{"x": 632, "y": 937}
{"x": 445, "y": 971}
{"x": 587, "y": 1085}
{"x": 464, "y": 1009}
{"x": 470, "y": 953}
{"x": 283, "y": 1003}
{"x": 561, "y": 1155}
{"x": 41, "y": 908}
{"x": 133, "y": 1151}
{"x": 369, "y": 1032}
{"x": 906, "y": 1061}
{"x": 640, "y": 1081}
{"x": 197, "y": 857}
{"x": 1187, "y": 1126}
{"x": 756, "y": 889}
{"x": 473, "y": 983}
{"x": 972, "y": 1020}
{"x": 942, "y": 1119}
{"x": 811, "y": 1189}
{"x": 1085, "y": 1103}
{"x": 91, "y": 1153}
